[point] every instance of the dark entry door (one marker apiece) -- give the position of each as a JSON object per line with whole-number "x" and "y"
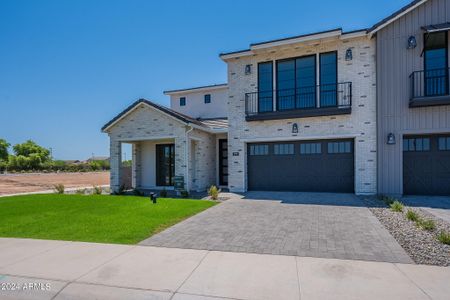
{"x": 165, "y": 164}
{"x": 223, "y": 162}
{"x": 426, "y": 165}
{"x": 314, "y": 166}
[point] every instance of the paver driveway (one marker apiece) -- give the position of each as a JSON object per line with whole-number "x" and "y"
{"x": 303, "y": 224}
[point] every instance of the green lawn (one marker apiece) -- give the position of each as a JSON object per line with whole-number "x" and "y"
{"x": 92, "y": 218}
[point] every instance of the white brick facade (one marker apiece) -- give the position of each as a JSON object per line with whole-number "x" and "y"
{"x": 145, "y": 124}
{"x": 360, "y": 124}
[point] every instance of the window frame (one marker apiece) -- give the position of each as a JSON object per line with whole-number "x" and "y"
{"x": 320, "y": 78}
{"x": 425, "y": 61}
{"x": 295, "y": 80}
{"x": 265, "y": 91}
{"x": 339, "y": 152}
{"x": 253, "y": 153}
{"x": 315, "y": 148}
{"x": 207, "y": 98}
{"x": 182, "y": 101}
{"x": 291, "y": 145}
{"x": 415, "y": 138}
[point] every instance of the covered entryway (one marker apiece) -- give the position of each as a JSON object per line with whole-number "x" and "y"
{"x": 313, "y": 166}
{"x": 426, "y": 165}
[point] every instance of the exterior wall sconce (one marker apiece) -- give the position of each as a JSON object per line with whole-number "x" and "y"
{"x": 391, "y": 139}
{"x": 248, "y": 69}
{"x": 412, "y": 43}
{"x": 294, "y": 128}
{"x": 348, "y": 54}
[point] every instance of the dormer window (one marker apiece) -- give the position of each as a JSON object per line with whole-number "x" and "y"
{"x": 183, "y": 101}
{"x": 207, "y": 98}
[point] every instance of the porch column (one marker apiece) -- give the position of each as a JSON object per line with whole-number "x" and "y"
{"x": 115, "y": 163}
{"x": 136, "y": 165}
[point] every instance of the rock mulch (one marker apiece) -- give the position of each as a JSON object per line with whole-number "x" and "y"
{"x": 421, "y": 245}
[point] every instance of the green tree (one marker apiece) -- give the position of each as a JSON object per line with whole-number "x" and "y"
{"x": 4, "y": 145}
{"x": 35, "y": 153}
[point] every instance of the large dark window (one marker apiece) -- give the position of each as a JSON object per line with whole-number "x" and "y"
{"x": 435, "y": 60}
{"x": 328, "y": 79}
{"x": 265, "y": 87}
{"x": 296, "y": 80}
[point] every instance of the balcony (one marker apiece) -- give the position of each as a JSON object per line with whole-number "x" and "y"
{"x": 321, "y": 100}
{"x": 429, "y": 88}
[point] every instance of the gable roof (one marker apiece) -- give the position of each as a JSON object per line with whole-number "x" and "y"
{"x": 396, "y": 15}
{"x": 183, "y": 118}
{"x": 198, "y": 89}
{"x": 214, "y": 125}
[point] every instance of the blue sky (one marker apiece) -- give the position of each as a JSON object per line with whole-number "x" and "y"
{"x": 68, "y": 67}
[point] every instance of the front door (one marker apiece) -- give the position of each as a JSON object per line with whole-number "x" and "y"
{"x": 223, "y": 162}
{"x": 165, "y": 164}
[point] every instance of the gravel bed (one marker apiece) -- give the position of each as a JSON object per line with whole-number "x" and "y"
{"x": 421, "y": 245}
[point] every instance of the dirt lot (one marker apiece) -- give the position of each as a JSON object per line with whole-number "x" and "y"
{"x": 21, "y": 183}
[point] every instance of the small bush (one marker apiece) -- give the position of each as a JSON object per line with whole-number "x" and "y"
{"x": 412, "y": 215}
{"x": 444, "y": 237}
{"x": 184, "y": 194}
{"x": 213, "y": 192}
{"x": 137, "y": 192}
{"x": 163, "y": 193}
{"x": 80, "y": 191}
{"x": 59, "y": 188}
{"x": 396, "y": 206}
{"x": 97, "y": 190}
{"x": 426, "y": 224}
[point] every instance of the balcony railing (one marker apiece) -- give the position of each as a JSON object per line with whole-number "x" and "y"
{"x": 326, "y": 99}
{"x": 430, "y": 87}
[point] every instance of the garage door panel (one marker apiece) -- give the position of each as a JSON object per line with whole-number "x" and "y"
{"x": 426, "y": 171}
{"x": 309, "y": 168}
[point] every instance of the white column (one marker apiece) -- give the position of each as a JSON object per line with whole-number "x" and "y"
{"x": 115, "y": 163}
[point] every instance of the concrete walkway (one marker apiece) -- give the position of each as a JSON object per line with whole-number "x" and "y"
{"x": 323, "y": 225}
{"x": 73, "y": 270}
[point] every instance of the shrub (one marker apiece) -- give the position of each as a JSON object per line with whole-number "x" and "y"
{"x": 396, "y": 206}
{"x": 412, "y": 215}
{"x": 163, "y": 193}
{"x": 137, "y": 192}
{"x": 97, "y": 190}
{"x": 428, "y": 224}
{"x": 444, "y": 237}
{"x": 59, "y": 188}
{"x": 80, "y": 191}
{"x": 213, "y": 192}
{"x": 184, "y": 194}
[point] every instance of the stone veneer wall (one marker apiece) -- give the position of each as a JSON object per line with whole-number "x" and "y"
{"x": 146, "y": 123}
{"x": 361, "y": 124}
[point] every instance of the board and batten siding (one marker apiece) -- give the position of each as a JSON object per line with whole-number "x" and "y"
{"x": 395, "y": 63}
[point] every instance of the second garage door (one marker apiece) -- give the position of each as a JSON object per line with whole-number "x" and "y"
{"x": 315, "y": 166}
{"x": 426, "y": 165}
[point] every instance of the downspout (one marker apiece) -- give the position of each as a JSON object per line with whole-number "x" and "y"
{"x": 187, "y": 157}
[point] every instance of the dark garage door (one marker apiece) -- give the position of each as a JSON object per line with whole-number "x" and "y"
{"x": 426, "y": 165}
{"x": 314, "y": 166}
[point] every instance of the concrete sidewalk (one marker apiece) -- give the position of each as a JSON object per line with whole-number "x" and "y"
{"x": 74, "y": 270}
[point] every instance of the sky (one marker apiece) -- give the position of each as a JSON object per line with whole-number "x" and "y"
{"x": 68, "y": 67}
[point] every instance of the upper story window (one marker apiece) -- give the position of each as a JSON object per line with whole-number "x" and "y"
{"x": 207, "y": 98}
{"x": 183, "y": 101}
{"x": 265, "y": 87}
{"x": 435, "y": 64}
{"x": 328, "y": 79}
{"x": 296, "y": 83}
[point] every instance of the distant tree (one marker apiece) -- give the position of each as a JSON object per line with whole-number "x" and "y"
{"x": 35, "y": 153}
{"x": 4, "y": 145}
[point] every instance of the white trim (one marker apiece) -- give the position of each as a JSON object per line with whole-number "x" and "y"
{"x": 236, "y": 55}
{"x": 381, "y": 26}
{"x": 352, "y": 35}
{"x": 138, "y": 105}
{"x": 146, "y": 138}
{"x": 299, "y": 138}
{"x": 289, "y": 41}
{"x": 197, "y": 90}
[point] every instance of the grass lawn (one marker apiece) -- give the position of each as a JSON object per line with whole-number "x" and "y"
{"x": 92, "y": 218}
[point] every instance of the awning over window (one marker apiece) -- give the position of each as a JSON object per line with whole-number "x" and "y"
{"x": 437, "y": 27}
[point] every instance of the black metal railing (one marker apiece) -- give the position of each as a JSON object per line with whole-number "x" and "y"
{"x": 314, "y": 97}
{"x": 429, "y": 83}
